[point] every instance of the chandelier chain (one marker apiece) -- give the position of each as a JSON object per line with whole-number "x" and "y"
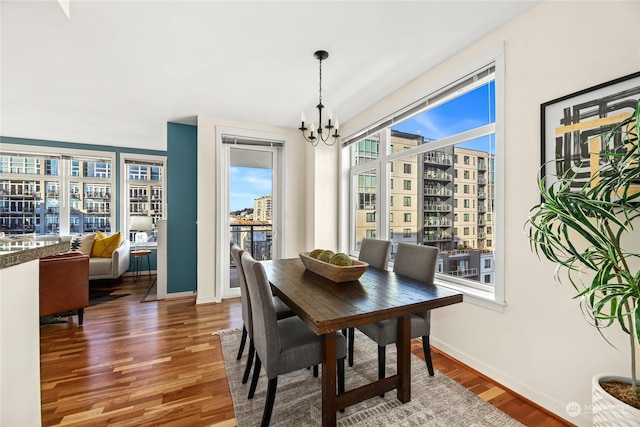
{"x": 320, "y": 89}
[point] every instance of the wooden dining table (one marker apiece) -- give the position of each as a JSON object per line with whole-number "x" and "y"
{"x": 327, "y": 307}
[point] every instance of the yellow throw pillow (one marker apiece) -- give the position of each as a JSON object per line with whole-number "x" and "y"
{"x": 104, "y": 245}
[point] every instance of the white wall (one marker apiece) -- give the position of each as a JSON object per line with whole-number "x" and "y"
{"x": 20, "y": 345}
{"x": 302, "y": 204}
{"x": 541, "y": 347}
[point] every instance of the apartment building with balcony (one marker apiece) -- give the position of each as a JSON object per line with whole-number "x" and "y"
{"x": 263, "y": 209}
{"x": 443, "y": 198}
{"x": 31, "y": 198}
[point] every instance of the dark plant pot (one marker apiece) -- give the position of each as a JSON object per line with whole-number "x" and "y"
{"x": 606, "y": 409}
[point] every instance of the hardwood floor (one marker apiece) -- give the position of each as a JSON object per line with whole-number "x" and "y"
{"x": 157, "y": 363}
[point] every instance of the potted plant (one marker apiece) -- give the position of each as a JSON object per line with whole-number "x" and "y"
{"x": 586, "y": 229}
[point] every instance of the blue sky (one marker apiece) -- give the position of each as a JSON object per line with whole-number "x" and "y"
{"x": 466, "y": 112}
{"x": 247, "y": 184}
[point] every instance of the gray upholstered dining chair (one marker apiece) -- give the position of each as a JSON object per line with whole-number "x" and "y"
{"x": 374, "y": 252}
{"x": 419, "y": 263}
{"x": 285, "y": 345}
{"x": 282, "y": 311}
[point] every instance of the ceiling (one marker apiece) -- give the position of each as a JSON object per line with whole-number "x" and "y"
{"x": 116, "y": 72}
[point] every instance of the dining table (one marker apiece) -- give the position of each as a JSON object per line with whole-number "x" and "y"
{"x": 328, "y": 307}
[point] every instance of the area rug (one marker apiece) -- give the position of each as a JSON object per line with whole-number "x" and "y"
{"x": 435, "y": 401}
{"x": 101, "y": 296}
{"x": 96, "y": 297}
{"x": 152, "y": 293}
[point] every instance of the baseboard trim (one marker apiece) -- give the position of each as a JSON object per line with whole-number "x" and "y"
{"x": 446, "y": 351}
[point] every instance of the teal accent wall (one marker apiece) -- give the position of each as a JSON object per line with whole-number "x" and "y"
{"x": 182, "y": 204}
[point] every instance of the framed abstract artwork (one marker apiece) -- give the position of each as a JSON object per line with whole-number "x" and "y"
{"x": 572, "y": 126}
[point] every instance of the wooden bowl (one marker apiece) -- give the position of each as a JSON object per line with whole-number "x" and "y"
{"x": 335, "y": 273}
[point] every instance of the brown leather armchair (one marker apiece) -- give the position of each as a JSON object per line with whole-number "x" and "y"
{"x": 64, "y": 284}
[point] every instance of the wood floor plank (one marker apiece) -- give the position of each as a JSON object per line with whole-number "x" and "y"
{"x": 158, "y": 364}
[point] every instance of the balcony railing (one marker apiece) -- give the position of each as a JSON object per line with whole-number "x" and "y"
{"x": 433, "y": 237}
{"x": 438, "y": 160}
{"x": 253, "y": 238}
{"x": 438, "y": 175}
{"x": 437, "y": 207}
{"x": 437, "y": 191}
{"x": 467, "y": 272}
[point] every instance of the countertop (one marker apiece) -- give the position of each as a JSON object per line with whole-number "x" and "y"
{"x": 14, "y": 253}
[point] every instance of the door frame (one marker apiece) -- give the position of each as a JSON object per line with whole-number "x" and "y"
{"x": 223, "y": 224}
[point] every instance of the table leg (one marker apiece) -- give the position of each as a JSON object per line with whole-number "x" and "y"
{"x": 149, "y": 265}
{"x": 403, "y": 346}
{"x": 329, "y": 405}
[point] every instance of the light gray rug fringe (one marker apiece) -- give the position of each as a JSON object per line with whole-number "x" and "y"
{"x": 435, "y": 401}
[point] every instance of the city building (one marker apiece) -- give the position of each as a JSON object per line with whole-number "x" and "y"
{"x": 443, "y": 198}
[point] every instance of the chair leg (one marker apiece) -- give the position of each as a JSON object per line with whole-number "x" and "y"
{"x": 254, "y": 380}
{"x": 247, "y": 369}
{"x": 268, "y": 404}
{"x": 341, "y": 377}
{"x": 80, "y": 316}
{"x": 315, "y": 371}
{"x": 426, "y": 349}
{"x": 243, "y": 340}
{"x": 381, "y": 363}
{"x": 351, "y": 338}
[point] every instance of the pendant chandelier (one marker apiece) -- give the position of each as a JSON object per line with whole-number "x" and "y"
{"x": 315, "y": 135}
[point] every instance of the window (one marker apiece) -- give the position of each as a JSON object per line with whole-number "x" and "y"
{"x": 391, "y": 184}
{"x": 406, "y": 232}
{"x": 371, "y": 234}
{"x": 487, "y": 263}
{"x": 438, "y": 207}
{"x": 144, "y": 183}
{"x": 55, "y": 191}
{"x": 366, "y": 184}
{"x": 371, "y": 217}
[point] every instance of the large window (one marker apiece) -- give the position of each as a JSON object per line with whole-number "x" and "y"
{"x": 49, "y": 192}
{"x": 455, "y": 127}
{"x": 144, "y": 197}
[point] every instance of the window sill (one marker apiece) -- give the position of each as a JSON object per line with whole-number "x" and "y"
{"x": 479, "y": 297}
